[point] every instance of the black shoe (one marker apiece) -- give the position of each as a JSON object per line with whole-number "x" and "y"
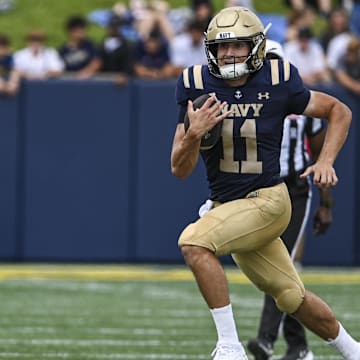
{"x": 298, "y": 354}
{"x": 261, "y": 349}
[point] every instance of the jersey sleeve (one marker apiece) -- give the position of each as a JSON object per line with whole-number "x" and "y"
{"x": 190, "y": 85}
{"x": 298, "y": 94}
{"x": 181, "y": 96}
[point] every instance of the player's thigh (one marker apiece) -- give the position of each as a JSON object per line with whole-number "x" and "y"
{"x": 270, "y": 268}
{"x": 242, "y": 225}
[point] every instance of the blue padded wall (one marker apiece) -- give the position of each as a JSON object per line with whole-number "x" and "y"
{"x": 76, "y": 171}
{"x": 85, "y": 176}
{"x": 164, "y": 204}
{"x": 338, "y": 245}
{"x": 8, "y": 154}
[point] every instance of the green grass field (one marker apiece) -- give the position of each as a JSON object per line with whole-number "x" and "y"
{"x": 125, "y": 312}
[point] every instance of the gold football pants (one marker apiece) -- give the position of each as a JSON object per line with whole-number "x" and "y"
{"x": 249, "y": 229}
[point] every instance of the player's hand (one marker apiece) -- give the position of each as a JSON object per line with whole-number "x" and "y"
{"x": 205, "y": 118}
{"x": 323, "y": 174}
{"x": 322, "y": 220}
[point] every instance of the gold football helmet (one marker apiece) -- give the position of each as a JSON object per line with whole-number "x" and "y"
{"x": 235, "y": 24}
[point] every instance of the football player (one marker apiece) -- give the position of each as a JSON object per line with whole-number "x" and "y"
{"x": 252, "y": 207}
{"x": 294, "y": 158}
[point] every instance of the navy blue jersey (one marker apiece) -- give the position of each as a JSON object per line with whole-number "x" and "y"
{"x": 77, "y": 58}
{"x": 155, "y": 59}
{"x": 247, "y": 156}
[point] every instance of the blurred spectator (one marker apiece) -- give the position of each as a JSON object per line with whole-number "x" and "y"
{"x": 138, "y": 19}
{"x": 336, "y": 49}
{"x": 152, "y": 58}
{"x": 117, "y": 53}
{"x": 160, "y": 10}
{"x": 353, "y": 9}
{"x": 355, "y": 17}
{"x": 245, "y": 3}
{"x": 322, "y": 7}
{"x": 348, "y": 72}
{"x": 36, "y": 61}
{"x": 188, "y": 48}
{"x": 9, "y": 77}
{"x": 308, "y": 56}
{"x": 80, "y": 55}
{"x": 147, "y": 16}
{"x": 203, "y": 10}
{"x": 299, "y": 19}
{"x": 126, "y": 27}
{"x": 102, "y": 17}
{"x": 337, "y": 24}
{"x": 179, "y": 18}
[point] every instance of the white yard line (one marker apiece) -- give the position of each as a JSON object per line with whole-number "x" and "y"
{"x": 104, "y": 342}
{"x": 149, "y": 356}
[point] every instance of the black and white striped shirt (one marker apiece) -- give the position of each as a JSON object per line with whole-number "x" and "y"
{"x": 294, "y": 156}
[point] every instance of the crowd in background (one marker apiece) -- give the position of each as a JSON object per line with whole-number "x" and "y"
{"x": 153, "y": 41}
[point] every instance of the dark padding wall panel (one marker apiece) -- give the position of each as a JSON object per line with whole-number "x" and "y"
{"x": 76, "y": 171}
{"x": 338, "y": 245}
{"x": 8, "y": 154}
{"x": 85, "y": 176}
{"x": 164, "y": 204}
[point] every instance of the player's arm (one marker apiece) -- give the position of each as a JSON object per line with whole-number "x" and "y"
{"x": 186, "y": 145}
{"x": 339, "y": 117}
{"x": 323, "y": 214}
{"x": 185, "y": 152}
{"x": 316, "y": 142}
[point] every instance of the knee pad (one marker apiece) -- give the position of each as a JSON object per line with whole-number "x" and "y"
{"x": 289, "y": 300}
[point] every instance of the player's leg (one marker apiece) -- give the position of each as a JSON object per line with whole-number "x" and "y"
{"x": 212, "y": 283}
{"x": 262, "y": 346}
{"x": 243, "y": 224}
{"x": 271, "y": 317}
{"x": 209, "y": 275}
{"x": 270, "y": 321}
{"x": 316, "y": 315}
{"x": 271, "y": 270}
{"x": 295, "y": 337}
{"x": 240, "y": 225}
{"x": 300, "y": 195}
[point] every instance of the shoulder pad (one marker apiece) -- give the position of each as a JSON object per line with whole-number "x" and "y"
{"x": 280, "y": 71}
{"x": 192, "y": 77}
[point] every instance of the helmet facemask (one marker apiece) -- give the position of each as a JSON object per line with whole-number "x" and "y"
{"x": 231, "y": 25}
